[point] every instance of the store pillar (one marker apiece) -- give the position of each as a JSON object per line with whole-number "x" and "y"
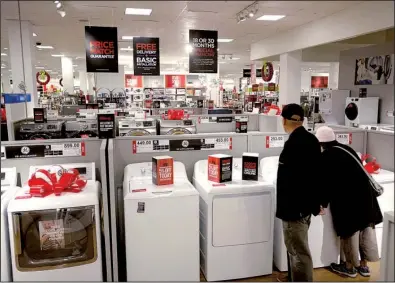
{"x": 67, "y": 75}
{"x": 83, "y": 81}
{"x": 290, "y": 80}
{"x": 333, "y": 75}
{"x": 91, "y": 83}
{"x": 22, "y": 58}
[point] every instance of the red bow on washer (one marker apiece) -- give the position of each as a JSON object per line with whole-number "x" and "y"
{"x": 370, "y": 164}
{"x": 43, "y": 183}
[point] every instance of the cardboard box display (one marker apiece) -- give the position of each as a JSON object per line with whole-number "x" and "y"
{"x": 250, "y": 162}
{"x": 220, "y": 168}
{"x": 162, "y": 170}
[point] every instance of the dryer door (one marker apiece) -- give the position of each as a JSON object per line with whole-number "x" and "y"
{"x": 241, "y": 219}
{"x": 351, "y": 111}
{"x": 49, "y": 239}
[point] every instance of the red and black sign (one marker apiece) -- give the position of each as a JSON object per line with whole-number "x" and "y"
{"x": 319, "y": 82}
{"x": 101, "y": 44}
{"x": 146, "y": 56}
{"x": 250, "y": 163}
{"x": 175, "y": 81}
{"x": 40, "y": 115}
{"x": 106, "y": 126}
{"x": 203, "y": 57}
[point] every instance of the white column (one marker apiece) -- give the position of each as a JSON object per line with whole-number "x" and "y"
{"x": 333, "y": 75}
{"x": 305, "y": 81}
{"x": 23, "y": 66}
{"x": 5, "y": 83}
{"x": 91, "y": 83}
{"x": 67, "y": 74}
{"x": 83, "y": 81}
{"x": 290, "y": 80}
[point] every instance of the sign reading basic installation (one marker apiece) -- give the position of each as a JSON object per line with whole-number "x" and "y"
{"x": 275, "y": 141}
{"x": 101, "y": 45}
{"x": 344, "y": 138}
{"x": 146, "y": 56}
{"x": 204, "y": 55}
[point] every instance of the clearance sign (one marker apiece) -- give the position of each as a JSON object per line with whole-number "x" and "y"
{"x": 101, "y": 45}
{"x": 146, "y": 56}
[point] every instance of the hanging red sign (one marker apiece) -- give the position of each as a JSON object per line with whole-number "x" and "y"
{"x": 175, "y": 81}
{"x": 133, "y": 81}
{"x": 42, "y": 77}
{"x": 267, "y": 71}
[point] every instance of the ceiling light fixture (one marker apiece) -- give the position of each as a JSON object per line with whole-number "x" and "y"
{"x": 128, "y": 37}
{"x": 56, "y": 2}
{"x": 5, "y": 48}
{"x": 44, "y": 46}
{"x": 40, "y": 68}
{"x": 58, "y": 5}
{"x": 270, "y": 17}
{"x": 62, "y": 13}
{"x": 34, "y": 34}
{"x": 127, "y": 49}
{"x": 57, "y": 55}
{"x": 225, "y": 40}
{"x": 3, "y": 54}
{"x": 188, "y": 48}
{"x": 60, "y": 8}
{"x": 138, "y": 12}
{"x": 248, "y": 12}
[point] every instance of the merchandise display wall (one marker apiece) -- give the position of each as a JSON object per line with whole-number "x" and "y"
{"x": 95, "y": 151}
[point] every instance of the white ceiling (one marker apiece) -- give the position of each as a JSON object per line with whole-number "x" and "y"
{"x": 170, "y": 21}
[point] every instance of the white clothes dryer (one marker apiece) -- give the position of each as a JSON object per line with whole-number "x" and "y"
{"x": 161, "y": 226}
{"x": 57, "y": 238}
{"x": 8, "y": 190}
{"x": 323, "y": 241}
{"x": 360, "y": 111}
{"x": 236, "y": 225}
{"x": 386, "y": 201}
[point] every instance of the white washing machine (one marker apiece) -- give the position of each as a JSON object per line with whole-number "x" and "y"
{"x": 386, "y": 200}
{"x": 323, "y": 241}
{"x": 236, "y": 225}
{"x": 8, "y": 189}
{"x": 360, "y": 111}
{"x": 57, "y": 238}
{"x": 377, "y": 127}
{"x": 137, "y": 127}
{"x": 161, "y": 226}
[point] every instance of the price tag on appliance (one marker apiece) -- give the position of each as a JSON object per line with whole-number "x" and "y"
{"x": 144, "y": 146}
{"x": 242, "y": 118}
{"x": 217, "y": 143}
{"x": 203, "y": 120}
{"x": 275, "y": 141}
{"x": 65, "y": 149}
{"x": 3, "y": 153}
{"x": 344, "y": 138}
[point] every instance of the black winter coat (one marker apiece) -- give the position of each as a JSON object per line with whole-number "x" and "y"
{"x": 347, "y": 189}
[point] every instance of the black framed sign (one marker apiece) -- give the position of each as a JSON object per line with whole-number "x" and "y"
{"x": 204, "y": 55}
{"x": 247, "y": 73}
{"x": 106, "y": 126}
{"x": 101, "y": 45}
{"x": 146, "y": 56}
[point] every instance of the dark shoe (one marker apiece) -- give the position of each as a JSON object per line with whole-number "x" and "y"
{"x": 341, "y": 269}
{"x": 364, "y": 271}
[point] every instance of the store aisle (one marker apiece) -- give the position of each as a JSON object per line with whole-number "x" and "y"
{"x": 320, "y": 275}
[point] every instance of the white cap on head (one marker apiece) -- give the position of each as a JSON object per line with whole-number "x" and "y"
{"x": 325, "y": 134}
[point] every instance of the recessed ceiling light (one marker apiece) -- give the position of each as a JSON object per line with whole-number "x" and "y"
{"x": 270, "y": 18}
{"x": 222, "y": 62}
{"x": 40, "y": 68}
{"x": 77, "y": 58}
{"x": 2, "y": 67}
{"x": 58, "y": 5}
{"x": 3, "y": 54}
{"x": 127, "y": 49}
{"x": 5, "y": 48}
{"x": 49, "y": 70}
{"x": 138, "y": 12}
{"x": 188, "y": 48}
{"x": 235, "y": 58}
{"x": 44, "y": 46}
{"x": 34, "y": 34}
{"x": 128, "y": 37}
{"x": 225, "y": 40}
{"x": 57, "y": 55}
{"x": 75, "y": 65}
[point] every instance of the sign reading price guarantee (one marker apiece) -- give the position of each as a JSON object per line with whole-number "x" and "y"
{"x": 344, "y": 138}
{"x": 275, "y": 141}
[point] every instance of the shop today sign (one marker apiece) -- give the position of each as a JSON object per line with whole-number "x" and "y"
{"x": 101, "y": 45}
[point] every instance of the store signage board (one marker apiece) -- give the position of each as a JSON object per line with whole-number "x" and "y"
{"x": 146, "y": 56}
{"x": 275, "y": 141}
{"x": 106, "y": 126}
{"x": 51, "y": 150}
{"x": 204, "y": 55}
{"x": 148, "y": 146}
{"x": 101, "y": 45}
{"x": 132, "y": 81}
{"x": 247, "y": 73}
{"x": 207, "y": 120}
{"x": 344, "y": 138}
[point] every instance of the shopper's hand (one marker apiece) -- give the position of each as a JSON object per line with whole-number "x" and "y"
{"x": 322, "y": 211}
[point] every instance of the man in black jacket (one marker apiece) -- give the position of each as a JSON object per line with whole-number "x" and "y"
{"x": 297, "y": 194}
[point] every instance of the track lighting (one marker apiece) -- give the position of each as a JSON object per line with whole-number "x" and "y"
{"x": 60, "y": 8}
{"x": 248, "y": 12}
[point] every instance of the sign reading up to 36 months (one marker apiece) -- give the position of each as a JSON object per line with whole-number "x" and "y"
{"x": 275, "y": 141}
{"x": 344, "y": 138}
{"x": 203, "y": 57}
{"x": 44, "y": 150}
{"x": 146, "y": 56}
{"x": 148, "y": 146}
{"x": 101, "y": 45}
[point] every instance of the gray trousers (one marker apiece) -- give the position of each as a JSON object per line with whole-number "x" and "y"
{"x": 296, "y": 241}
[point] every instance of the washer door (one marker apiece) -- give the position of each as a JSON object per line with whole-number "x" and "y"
{"x": 39, "y": 137}
{"x": 351, "y": 111}
{"x": 179, "y": 131}
{"x": 138, "y": 132}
